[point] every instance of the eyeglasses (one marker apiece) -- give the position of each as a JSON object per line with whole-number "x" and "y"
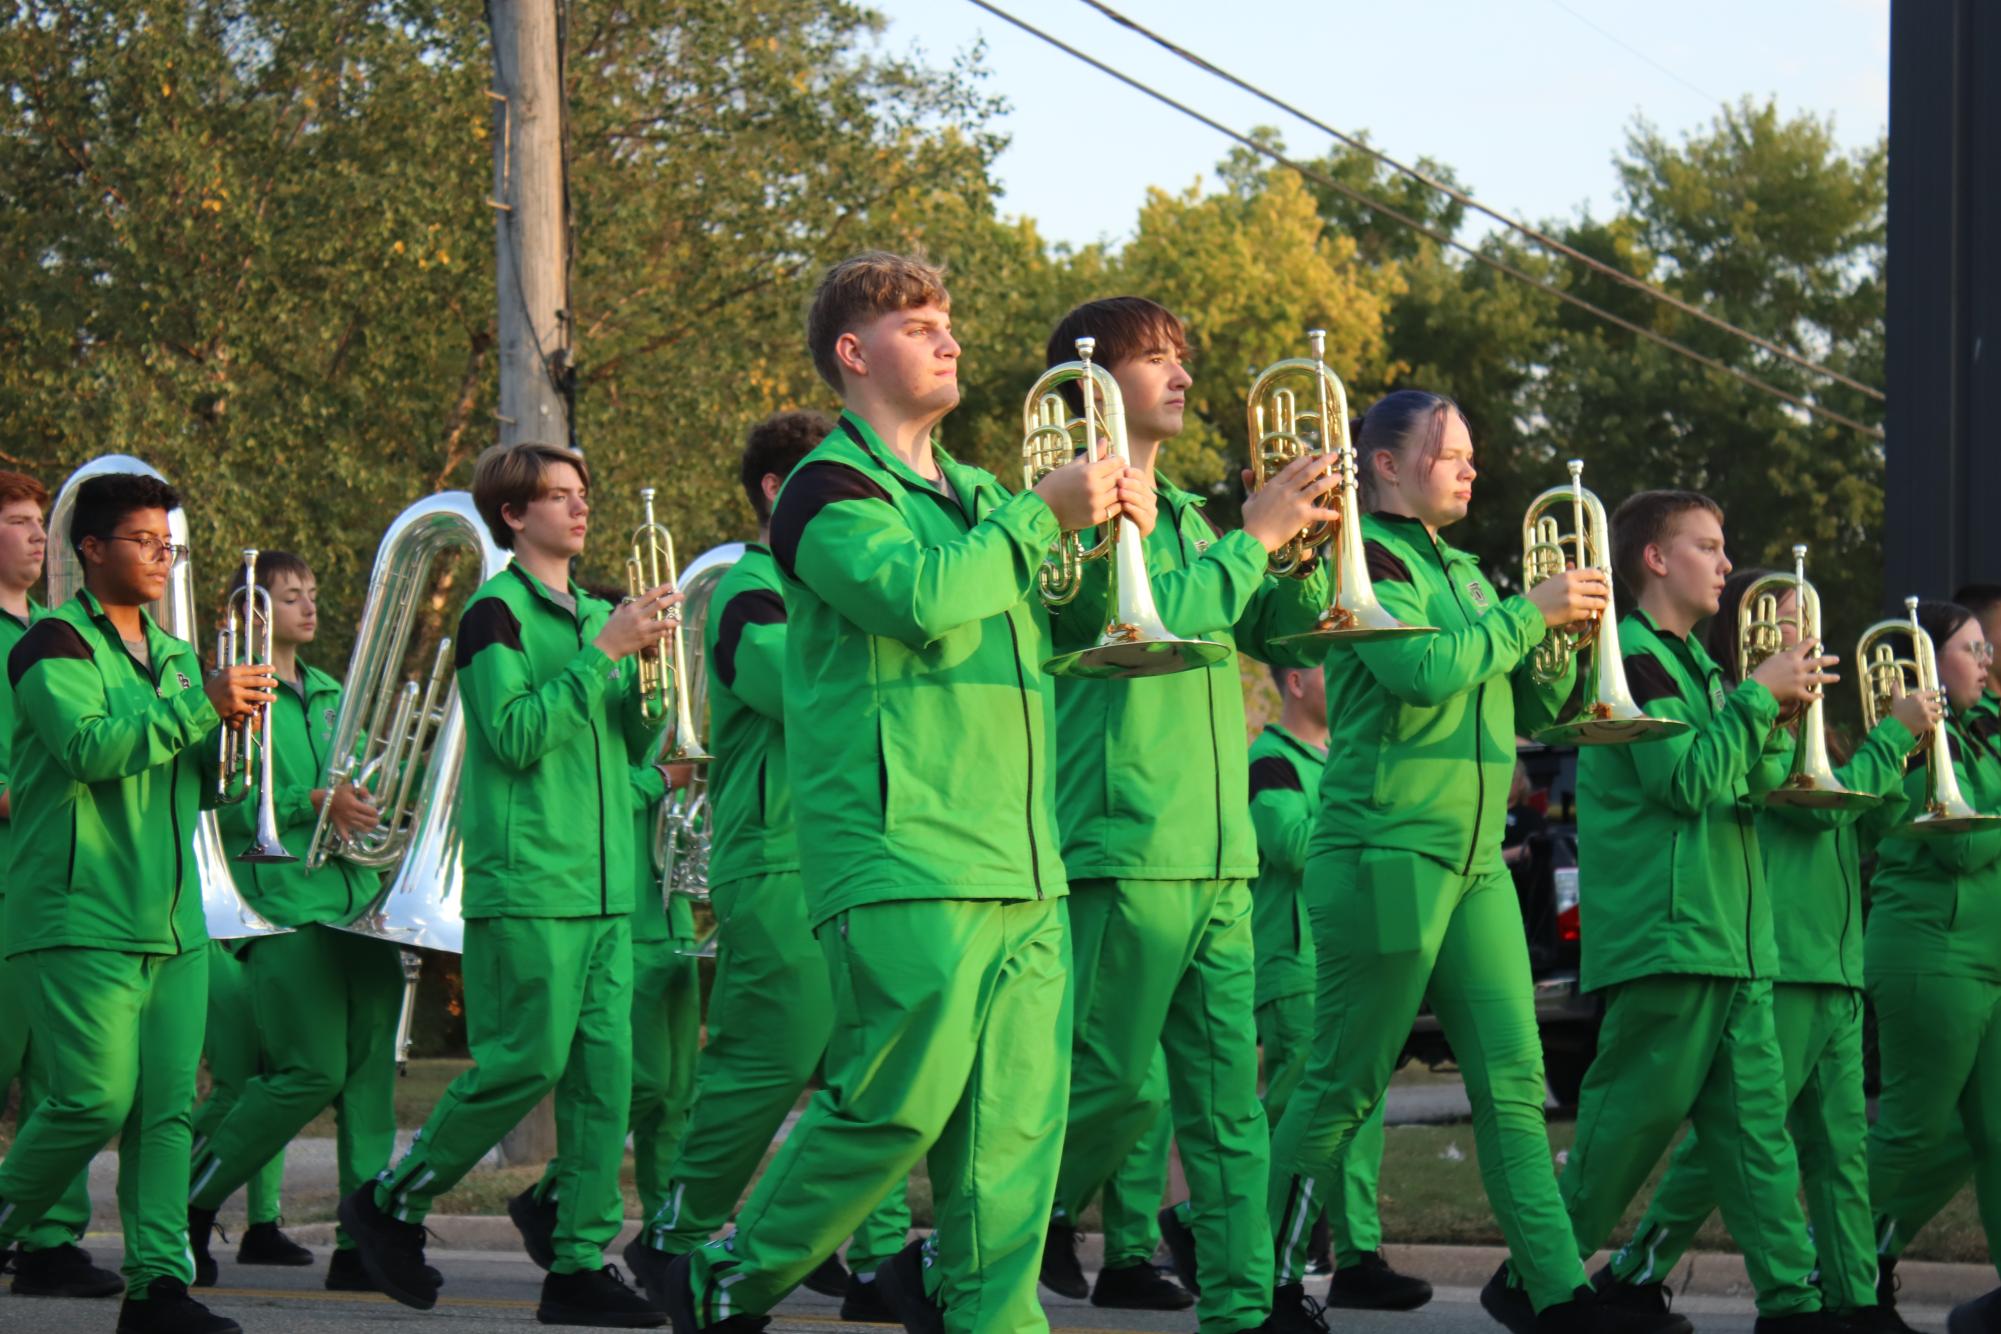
{"x": 1982, "y": 652}
{"x": 153, "y": 550}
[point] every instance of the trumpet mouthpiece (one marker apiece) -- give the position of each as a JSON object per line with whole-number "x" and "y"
{"x": 1576, "y": 470}
{"x": 1799, "y": 551}
{"x": 1317, "y": 340}
{"x": 1085, "y": 347}
{"x": 645, "y": 493}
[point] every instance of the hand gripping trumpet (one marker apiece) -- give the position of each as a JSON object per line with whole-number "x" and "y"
{"x": 1607, "y": 715}
{"x": 245, "y": 759}
{"x": 1880, "y": 675}
{"x": 1355, "y": 614}
{"x": 663, "y": 669}
{"x": 1135, "y": 642}
{"x": 1760, "y": 634}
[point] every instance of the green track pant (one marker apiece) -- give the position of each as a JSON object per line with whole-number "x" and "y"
{"x": 1941, "y": 1043}
{"x": 1390, "y": 929}
{"x": 325, "y": 1004}
{"x": 951, "y": 1040}
{"x": 1133, "y": 1195}
{"x": 548, "y": 1007}
{"x": 68, "y": 1217}
{"x": 124, "y": 1032}
{"x": 1167, "y": 965}
{"x": 666, "y": 1034}
{"x": 771, "y": 1012}
{"x": 230, "y": 1044}
{"x": 1353, "y": 1211}
{"x": 1681, "y": 1046}
{"x": 1820, "y": 1044}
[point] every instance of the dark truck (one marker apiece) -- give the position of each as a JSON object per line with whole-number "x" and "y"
{"x": 1546, "y": 884}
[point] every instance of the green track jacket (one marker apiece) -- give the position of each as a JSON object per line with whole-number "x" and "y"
{"x": 1421, "y": 750}
{"x": 1671, "y": 877}
{"x": 750, "y": 796}
{"x": 11, "y": 631}
{"x": 1151, "y": 774}
{"x": 112, "y": 764}
{"x": 553, "y": 728}
{"x": 1813, "y": 858}
{"x": 1936, "y": 903}
{"x": 913, "y": 679}
{"x": 1284, "y": 772}
{"x": 656, "y": 919}
{"x": 288, "y": 893}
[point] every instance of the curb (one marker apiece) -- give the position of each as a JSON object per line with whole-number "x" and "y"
{"x": 1704, "y": 1273}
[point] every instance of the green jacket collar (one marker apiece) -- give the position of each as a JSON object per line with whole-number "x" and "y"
{"x": 541, "y": 590}
{"x": 158, "y": 641}
{"x": 1414, "y": 532}
{"x": 887, "y": 459}
{"x": 1313, "y": 753}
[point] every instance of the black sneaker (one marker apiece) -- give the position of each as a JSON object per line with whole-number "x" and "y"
{"x": 168, "y": 1309}
{"x": 1139, "y": 1287}
{"x": 1371, "y": 1285}
{"x": 266, "y": 1244}
{"x": 1588, "y": 1313}
{"x": 1319, "y": 1250}
{"x": 1886, "y": 1280}
{"x": 1873, "y": 1320}
{"x": 1803, "y": 1322}
{"x": 1982, "y": 1315}
{"x": 864, "y": 1303}
{"x": 677, "y": 1286}
{"x": 1180, "y": 1243}
{"x": 391, "y": 1251}
{"x": 1508, "y": 1302}
{"x": 902, "y": 1282}
{"x": 829, "y": 1278}
{"x": 62, "y": 1271}
{"x": 1293, "y": 1312}
{"x": 598, "y": 1298}
{"x": 535, "y": 1220}
{"x": 345, "y": 1274}
{"x": 649, "y": 1264}
{"x": 1062, "y": 1273}
{"x": 201, "y": 1223}
{"x": 1639, "y": 1298}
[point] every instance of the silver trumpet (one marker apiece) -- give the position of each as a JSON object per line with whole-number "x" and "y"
{"x": 680, "y": 822}
{"x": 245, "y": 758}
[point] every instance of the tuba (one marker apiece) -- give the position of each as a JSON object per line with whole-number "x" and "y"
{"x": 224, "y": 911}
{"x": 246, "y": 639}
{"x": 1135, "y": 642}
{"x": 410, "y": 753}
{"x": 1760, "y": 634}
{"x": 680, "y": 823}
{"x": 650, "y": 565}
{"x": 1610, "y": 717}
{"x": 1880, "y": 676}
{"x": 1355, "y": 614}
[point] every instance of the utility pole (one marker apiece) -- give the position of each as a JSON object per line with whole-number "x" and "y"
{"x": 531, "y": 233}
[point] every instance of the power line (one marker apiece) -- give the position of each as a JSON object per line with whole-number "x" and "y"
{"x": 1376, "y": 205}
{"x": 1636, "y": 52}
{"x": 1460, "y": 197}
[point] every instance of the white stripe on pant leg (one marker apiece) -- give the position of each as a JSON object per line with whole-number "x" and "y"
{"x": 1301, "y": 1221}
{"x": 201, "y": 1182}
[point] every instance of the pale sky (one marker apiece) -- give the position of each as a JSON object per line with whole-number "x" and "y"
{"x": 1527, "y": 100}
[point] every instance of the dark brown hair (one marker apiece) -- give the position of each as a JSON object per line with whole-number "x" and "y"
{"x": 272, "y": 565}
{"x": 775, "y": 445}
{"x": 511, "y": 477}
{"x": 1646, "y": 520}
{"x": 862, "y": 288}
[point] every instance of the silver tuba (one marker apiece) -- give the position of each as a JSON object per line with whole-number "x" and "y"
{"x": 227, "y": 915}
{"x": 415, "y": 742}
{"x": 681, "y": 822}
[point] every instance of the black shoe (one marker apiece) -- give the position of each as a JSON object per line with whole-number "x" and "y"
{"x": 266, "y": 1244}
{"x": 345, "y": 1274}
{"x": 1982, "y": 1315}
{"x": 829, "y": 1278}
{"x": 201, "y": 1222}
{"x": 1139, "y": 1287}
{"x": 864, "y": 1303}
{"x": 1643, "y": 1298}
{"x": 902, "y": 1284}
{"x": 678, "y": 1288}
{"x": 1587, "y": 1312}
{"x": 1062, "y": 1273}
{"x": 1371, "y": 1285}
{"x": 169, "y": 1310}
{"x": 1319, "y": 1250}
{"x": 391, "y": 1251}
{"x": 1886, "y": 1280}
{"x": 535, "y": 1220}
{"x": 1293, "y": 1312}
{"x": 1180, "y": 1244}
{"x": 1508, "y": 1302}
{"x": 649, "y": 1265}
{"x": 1873, "y": 1320}
{"x": 62, "y": 1271}
{"x": 598, "y": 1298}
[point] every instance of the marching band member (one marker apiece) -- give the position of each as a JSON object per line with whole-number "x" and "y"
{"x": 1677, "y": 927}
{"x": 1932, "y": 958}
{"x": 554, "y": 725}
{"x": 1151, "y": 796}
{"x": 1287, "y": 761}
{"x": 324, "y": 1001}
{"x": 112, "y": 758}
{"x": 927, "y": 846}
{"x": 1813, "y": 864}
{"x": 771, "y": 1009}
{"x": 1405, "y": 884}
{"x": 47, "y": 1262}
{"x": 1984, "y": 601}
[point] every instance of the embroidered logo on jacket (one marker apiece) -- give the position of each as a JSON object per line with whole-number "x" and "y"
{"x": 185, "y": 683}
{"x": 1478, "y": 592}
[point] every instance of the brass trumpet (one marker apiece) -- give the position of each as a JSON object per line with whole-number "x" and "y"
{"x": 680, "y": 823}
{"x": 660, "y": 672}
{"x": 1760, "y": 634}
{"x": 1135, "y": 642}
{"x": 1355, "y": 613}
{"x": 245, "y": 759}
{"x": 1609, "y": 717}
{"x": 1880, "y": 675}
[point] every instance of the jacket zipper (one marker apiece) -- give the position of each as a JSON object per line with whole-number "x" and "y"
{"x": 1850, "y": 893}
{"x": 597, "y": 763}
{"x": 306, "y": 718}
{"x": 1750, "y": 876}
{"x": 1209, "y": 683}
{"x": 158, "y": 674}
{"x": 1479, "y": 714}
